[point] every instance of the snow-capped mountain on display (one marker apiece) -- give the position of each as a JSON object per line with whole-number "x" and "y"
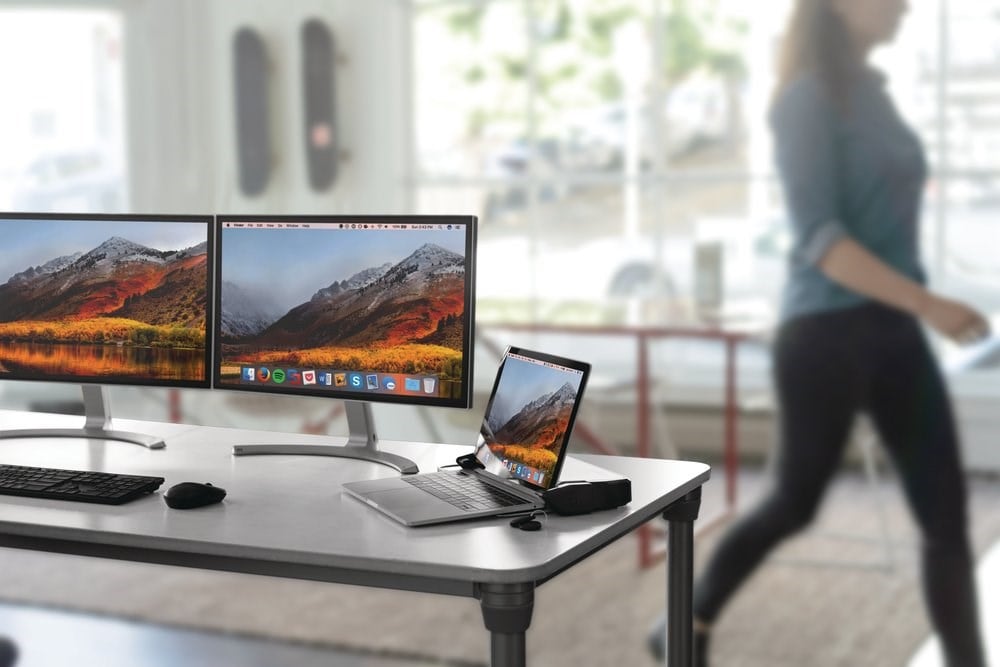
{"x": 199, "y": 249}
{"x": 117, "y": 249}
{"x": 429, "y": 259}
{"x": 540, "y": 423}
{"x": 564, "y": 396}
{"x": 357, "y": 281}
{"x": 498, "y": 415}
{"x": 419, "y": 299}
{"x": 245, "y": 313}
{"x": 51, "y": 266}
{"x": 117, "y": 278}
{"x": 431, "y": 256}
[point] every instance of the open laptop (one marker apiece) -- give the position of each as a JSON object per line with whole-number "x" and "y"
{"x": 521, "y": 449}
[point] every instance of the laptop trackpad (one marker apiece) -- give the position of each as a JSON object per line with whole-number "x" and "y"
{"x": 410, "y": 499}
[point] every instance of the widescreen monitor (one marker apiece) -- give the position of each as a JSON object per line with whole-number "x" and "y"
{"x": 361, "y": 308}
{"x": 105, "y": 300}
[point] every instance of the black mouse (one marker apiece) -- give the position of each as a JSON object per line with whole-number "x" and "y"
{"x": 188, "y": 495}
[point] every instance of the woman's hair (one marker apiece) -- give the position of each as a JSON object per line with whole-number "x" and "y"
{"x": 817, "y": 41}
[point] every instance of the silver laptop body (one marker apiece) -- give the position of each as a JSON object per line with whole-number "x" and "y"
{"x": 520, "y": 451}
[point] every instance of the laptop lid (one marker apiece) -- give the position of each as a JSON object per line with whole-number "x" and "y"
{"x": 529, "y": 418}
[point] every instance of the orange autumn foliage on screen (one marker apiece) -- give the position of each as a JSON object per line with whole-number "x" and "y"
{"x": 542, "y": 459}
{"x": 103, "y": 330}
{"x": 413, "y": 358}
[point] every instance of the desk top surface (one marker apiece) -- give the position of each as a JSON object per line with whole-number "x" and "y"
{"x": 290, "y": 510}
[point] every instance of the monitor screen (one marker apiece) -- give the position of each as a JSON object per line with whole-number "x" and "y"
{"x": 530, "y": 416}
{"x": 109, "y": 299}
{"x": 373, "y": 308}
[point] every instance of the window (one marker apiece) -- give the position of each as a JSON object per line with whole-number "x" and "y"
{"x": 62, "y": 128}
{"x": 602, "y": 140}
{"x": 618, "y": 155}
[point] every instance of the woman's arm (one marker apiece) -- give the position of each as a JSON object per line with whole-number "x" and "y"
{"x": 851, "y": 265}
{"x": 803, "y": 120}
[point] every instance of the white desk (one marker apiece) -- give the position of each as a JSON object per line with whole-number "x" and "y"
{"x": 286, "y": 516}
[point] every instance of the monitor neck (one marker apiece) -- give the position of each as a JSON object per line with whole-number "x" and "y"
{"x": 360, "y": 425}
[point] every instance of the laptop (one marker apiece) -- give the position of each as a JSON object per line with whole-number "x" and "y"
{"x": 519, "y": 454}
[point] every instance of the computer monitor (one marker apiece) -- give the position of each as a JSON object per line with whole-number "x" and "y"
{"x": 105, "y": 300}
{"x": 361, "y": 308}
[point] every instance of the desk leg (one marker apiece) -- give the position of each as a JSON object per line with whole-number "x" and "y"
{"x": 680, "y": 578}
{"x": 731, "y": 451}
{"x": 507, "y": 612}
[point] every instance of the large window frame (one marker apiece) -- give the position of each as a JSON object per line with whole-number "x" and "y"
{"x": 757, "y": 177}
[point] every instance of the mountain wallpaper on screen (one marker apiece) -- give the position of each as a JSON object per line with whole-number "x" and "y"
{"x": 406, "y": 317}
{"x": 534, "y": 435}
{"x": 120, "y": 292}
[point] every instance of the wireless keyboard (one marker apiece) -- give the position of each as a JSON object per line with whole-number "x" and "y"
{"x": 80, "y": 485}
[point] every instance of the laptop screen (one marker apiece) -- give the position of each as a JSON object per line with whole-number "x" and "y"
{"x": 530, "y": 415}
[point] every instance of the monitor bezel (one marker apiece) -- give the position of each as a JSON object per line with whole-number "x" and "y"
{"x": 466, "y": 397}
{"x": 208, "y": 222}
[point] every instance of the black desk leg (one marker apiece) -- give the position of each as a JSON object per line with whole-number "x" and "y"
{"x": 680, "y": 578}
{"x": 507, "y": 612}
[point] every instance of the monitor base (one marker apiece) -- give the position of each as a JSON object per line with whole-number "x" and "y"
{"x": 362, "y": 443}
{"x": 400, "y": 463}
{"x": 97, "y": 424}
{"x": 141, "y": 439}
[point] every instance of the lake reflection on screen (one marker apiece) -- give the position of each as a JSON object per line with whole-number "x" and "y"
{"x": 46, "y": 360}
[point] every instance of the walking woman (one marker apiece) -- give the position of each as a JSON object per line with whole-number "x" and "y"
{"x": 850, "y": 338}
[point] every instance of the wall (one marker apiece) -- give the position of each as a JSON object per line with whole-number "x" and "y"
{"x": 180, "y": 106}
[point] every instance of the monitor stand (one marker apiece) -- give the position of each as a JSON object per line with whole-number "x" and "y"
{"x": 97, "y": 424}
{"x": 362, "y": 443}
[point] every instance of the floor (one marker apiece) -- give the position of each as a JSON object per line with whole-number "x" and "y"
{"x": 839, "y": 595}
{"x": 85, "y": 639}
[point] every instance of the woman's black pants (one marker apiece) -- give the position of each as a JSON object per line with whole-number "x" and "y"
{"x": 827, "y": 368}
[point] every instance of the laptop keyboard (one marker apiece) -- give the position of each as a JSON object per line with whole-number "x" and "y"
{"x": 464, "y": 491}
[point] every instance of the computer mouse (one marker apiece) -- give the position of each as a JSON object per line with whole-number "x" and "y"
{"x": 188, "y": 495}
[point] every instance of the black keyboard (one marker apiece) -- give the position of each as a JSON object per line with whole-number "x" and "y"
{"x": 465, "y": 492}
{"x": 79, "y": 485}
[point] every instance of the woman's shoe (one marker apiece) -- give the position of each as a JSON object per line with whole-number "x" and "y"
{"x": 656, "y": 642}
{"x": 8, "y": 652}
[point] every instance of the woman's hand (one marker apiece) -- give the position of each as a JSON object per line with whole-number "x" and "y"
{"x": 954, "y": 319}
{"x": 853, "y": 266}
